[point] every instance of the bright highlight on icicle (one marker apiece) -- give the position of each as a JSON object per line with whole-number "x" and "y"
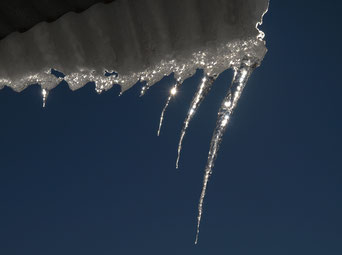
{"x": 241, "y": 75}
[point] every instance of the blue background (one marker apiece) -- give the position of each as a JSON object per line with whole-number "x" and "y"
{"x": 88, "y": 175}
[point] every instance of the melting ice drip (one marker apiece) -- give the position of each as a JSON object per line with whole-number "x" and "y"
{"x": 151, "y": 39}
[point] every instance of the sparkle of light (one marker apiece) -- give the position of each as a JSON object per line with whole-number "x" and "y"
{"x": 173, "y": 91}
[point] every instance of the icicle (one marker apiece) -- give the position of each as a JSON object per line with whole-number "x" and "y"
{"x": 228, "y": 105}
{"x": 173, "y": 92}
{"x": 98, "y": 89}
{"x": 144, "y": 88}
{"x": 45, "y": 94}
{"x": 202, "y": 90}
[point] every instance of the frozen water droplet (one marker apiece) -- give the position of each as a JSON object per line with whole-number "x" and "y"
{"x": 202, "y": 91}
{"x": 45, "y": 94}
{"x": 228, "y": 105}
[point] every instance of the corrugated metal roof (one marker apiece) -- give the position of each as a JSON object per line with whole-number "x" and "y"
{"x": 21, "y": 15}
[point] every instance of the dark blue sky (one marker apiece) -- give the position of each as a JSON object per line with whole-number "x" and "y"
{"x": 88, "y": 175}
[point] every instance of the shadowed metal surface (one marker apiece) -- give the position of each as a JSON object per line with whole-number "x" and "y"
{"x": 21, "y": 15}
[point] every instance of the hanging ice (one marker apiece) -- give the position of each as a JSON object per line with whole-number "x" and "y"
{"x": 173, "y": 92}
{"x": 241, "y": 75}
{"x": 200, "y": 94}
{"x": 143, "y": 41}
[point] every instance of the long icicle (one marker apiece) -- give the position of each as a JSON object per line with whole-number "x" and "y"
{"x": 173, "y": 92}
{"x": 228, "y": 105}
{"x": 202, "y": 91}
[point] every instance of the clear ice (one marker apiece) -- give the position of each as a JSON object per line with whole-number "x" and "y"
{"x": 202, "y": 90}
{"x": 241, "y": 75}
{"x": 143, "y": 41}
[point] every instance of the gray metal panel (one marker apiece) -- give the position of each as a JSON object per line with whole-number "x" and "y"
{"x": 21, "y": 15}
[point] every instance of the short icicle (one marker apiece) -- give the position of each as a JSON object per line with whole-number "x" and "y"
{"x": 145, "y": 87}
{"x": 241, "y": 75}
{"x": 202, "y": 91}
{"x": 173, "y": 92}
{"x": 45, "y": 94}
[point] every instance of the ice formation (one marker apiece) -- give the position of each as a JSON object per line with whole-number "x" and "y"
{"x": 241, "y": 75}
{"x": 143, "y": 41}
